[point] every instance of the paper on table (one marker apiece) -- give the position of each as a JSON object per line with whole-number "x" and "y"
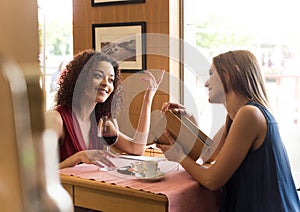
{"x": 164, "y": 166}
{"x": 141, "y": 158}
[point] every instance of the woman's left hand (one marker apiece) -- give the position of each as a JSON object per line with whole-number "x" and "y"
{"x": 172, "y": 151}
{"x": 99, "y": 158}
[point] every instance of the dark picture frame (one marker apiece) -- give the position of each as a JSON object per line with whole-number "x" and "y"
{"x": 96, "y": 3}
{"x": 125, "y": 42}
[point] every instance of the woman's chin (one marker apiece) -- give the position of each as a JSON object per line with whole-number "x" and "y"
{"x": 100, "y": 100}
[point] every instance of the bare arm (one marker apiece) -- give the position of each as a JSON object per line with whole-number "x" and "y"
{"x": 212, "y": 152}
{"x": 136, "y": 145}
{"x": 239, "y": 141}
{"x": 55, "y": 122}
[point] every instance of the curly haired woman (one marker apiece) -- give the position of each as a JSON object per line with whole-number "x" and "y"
{"x": 89, "y": 88}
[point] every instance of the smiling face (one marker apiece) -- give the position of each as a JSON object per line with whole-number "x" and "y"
{"x": 102, "y": 82}
{"x": 215, "y": 87}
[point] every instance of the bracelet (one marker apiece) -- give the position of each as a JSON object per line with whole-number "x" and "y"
{"x": 140, "y": 138}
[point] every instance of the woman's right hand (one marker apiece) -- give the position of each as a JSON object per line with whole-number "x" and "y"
{"x": 178, "y": 109}
{"x": 175, "y": 107}
{"x": 172, "y": 151}
{"x": 153, "y": 83}
{"x": 97, "y": 157}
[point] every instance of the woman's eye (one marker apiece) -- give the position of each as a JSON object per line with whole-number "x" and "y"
{"x": 111, "y": 80}
{"x": 98, "y": 76}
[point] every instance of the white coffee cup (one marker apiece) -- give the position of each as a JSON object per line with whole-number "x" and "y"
{"x": 146, "y": 169}
{"x": 137, "y": 167}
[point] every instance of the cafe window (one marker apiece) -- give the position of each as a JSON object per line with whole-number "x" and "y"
{"x": 266, "y": 28}
{"x": 56, "y": 42}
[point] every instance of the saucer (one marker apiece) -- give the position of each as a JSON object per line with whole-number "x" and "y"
{"x": 159, "y": 176}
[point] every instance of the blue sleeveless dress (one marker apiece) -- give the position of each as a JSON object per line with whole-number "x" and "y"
{"x": 263, "y": 182}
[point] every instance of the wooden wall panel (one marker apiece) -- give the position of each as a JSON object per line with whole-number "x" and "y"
{"x": 156, "y": 14}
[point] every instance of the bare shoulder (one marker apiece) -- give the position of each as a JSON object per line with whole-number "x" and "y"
{"x": 254, "y": 123}
{"x": 53, "y": 116}
{"x": 252, "y": 114}
{"x": 54, "y": 121}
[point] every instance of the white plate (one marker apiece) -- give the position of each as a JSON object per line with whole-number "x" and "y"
{"x": 164, "y": 166}
{"x": 141, "y": 158}
{"x": 159, "y": 176}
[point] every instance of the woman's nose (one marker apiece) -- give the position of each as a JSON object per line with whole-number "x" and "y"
{"x": 104, "y": 80}
{"x": 206, "y": 83}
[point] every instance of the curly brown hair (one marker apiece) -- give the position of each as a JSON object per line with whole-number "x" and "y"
{"x": 72, "y": 81}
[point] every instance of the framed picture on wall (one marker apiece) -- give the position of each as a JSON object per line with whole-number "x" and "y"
{"x": 96, "y": 3}
{"x": 125, "y": 42}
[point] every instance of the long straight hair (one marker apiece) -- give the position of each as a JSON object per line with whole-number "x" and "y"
{"x": 244, "y": 74}
{"x": 245, "y": 77}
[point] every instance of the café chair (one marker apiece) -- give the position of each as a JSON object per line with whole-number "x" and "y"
{"x": 24, "y": 184}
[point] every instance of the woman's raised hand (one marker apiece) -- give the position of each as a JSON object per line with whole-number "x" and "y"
{"x": 153, "y": 82}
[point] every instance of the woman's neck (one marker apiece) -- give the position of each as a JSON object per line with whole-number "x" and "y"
{"x": 233, "y": 103}
{"x": 84, "y": 110}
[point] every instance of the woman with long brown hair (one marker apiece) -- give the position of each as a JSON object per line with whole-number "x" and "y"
{"x": 250, "y": 163}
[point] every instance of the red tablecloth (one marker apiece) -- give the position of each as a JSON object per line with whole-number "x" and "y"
{"x": 183, "y": 193}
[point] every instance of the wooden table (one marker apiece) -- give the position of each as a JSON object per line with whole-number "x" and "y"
{"x": 108, "y": 197}
{"x": 107, "y": 192}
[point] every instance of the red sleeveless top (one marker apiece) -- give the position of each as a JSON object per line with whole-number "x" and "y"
{"x": 73, "y": 141}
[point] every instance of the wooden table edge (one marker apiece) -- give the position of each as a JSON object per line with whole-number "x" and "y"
{"x": 90, "y": 183}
